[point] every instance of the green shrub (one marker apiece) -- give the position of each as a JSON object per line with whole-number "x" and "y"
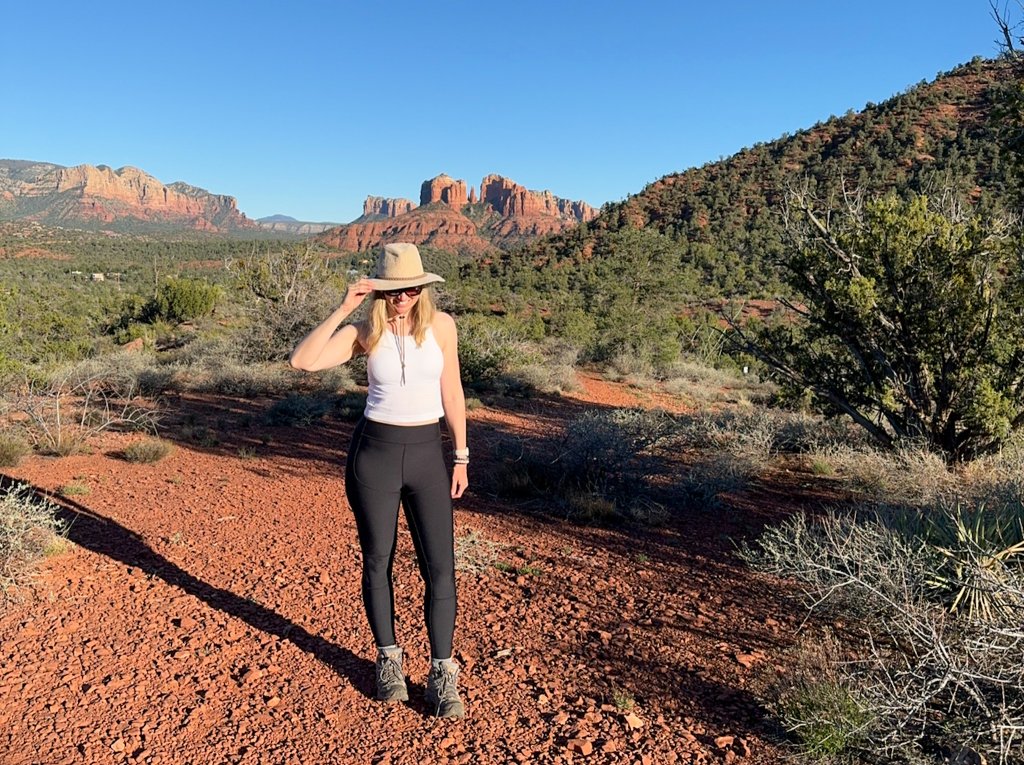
{"x": 147, "y": 451}
{"x": 810, "y": 698}
{"x": 181, "y": 300}
{"x": 489, "y": 348}
{"x": 29, "y": 528}
{"x": 594, "y": 472}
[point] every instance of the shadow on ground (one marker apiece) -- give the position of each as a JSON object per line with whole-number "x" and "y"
{"x": 103, "y": 536}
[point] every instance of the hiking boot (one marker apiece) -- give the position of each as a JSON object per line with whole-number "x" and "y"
{"x": 442, "y": 695}
{"x": 390, "y": 678}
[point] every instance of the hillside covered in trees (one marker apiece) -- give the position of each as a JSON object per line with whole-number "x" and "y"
{"x": 718, "y": 229}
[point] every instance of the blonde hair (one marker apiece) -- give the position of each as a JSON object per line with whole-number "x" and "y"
{"x": 420, "y": 317}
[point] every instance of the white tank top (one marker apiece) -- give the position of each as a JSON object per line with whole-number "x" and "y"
{"x": 418, "y": 398}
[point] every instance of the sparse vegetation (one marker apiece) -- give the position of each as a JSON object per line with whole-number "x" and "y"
{"x": 13, "y": 447}
{"x": 475, "y": 553}
{"x": 74, "y": 490}
{"x": 937, "y": 592}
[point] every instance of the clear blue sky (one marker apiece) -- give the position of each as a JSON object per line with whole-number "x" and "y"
{"x": 305, "y": 108}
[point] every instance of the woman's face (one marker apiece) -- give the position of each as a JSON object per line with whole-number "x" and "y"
{"x": 400, "y": 302}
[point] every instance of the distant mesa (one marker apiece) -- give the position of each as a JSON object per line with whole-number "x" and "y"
{"x": 128, "y": 199}
{"x": 452, "y": 216}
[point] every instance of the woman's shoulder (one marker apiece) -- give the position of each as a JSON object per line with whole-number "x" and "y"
{"x": 442, "y": 319}
{"x": 443, "y": 325}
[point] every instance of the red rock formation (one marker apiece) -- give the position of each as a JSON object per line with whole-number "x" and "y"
{"x": 512, "y": 213}
{"x": 510, "y": 199}
{"x": 389, "y": 208}
{"x": 444, "y": 189}
{"x": 83, "y": 194}
{"x": 436, "y": 226}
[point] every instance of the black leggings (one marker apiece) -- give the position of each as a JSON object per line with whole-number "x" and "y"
{"x": 390, "y": 465}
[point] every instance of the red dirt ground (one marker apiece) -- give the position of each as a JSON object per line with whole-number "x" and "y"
{"x": 208, "y": 611}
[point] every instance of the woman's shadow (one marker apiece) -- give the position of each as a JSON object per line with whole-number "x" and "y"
{"x": 101, "y": 535}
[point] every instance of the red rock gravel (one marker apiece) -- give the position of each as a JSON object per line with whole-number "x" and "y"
{"x": 209, "y": 612}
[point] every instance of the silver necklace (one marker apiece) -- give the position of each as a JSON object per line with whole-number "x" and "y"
{"x": 400, "y": 345}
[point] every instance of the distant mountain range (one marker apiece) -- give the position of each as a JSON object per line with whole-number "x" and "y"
{"x": 289, "y": 225}
{"x": 130, "y": 200}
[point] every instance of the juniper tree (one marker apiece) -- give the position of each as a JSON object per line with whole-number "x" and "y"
{"x": 910, "y": 320}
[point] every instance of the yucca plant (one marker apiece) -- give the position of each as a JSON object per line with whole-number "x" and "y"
{"x": 980, "y": 550}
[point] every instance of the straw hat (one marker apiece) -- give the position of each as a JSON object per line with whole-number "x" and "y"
{"x": 399, "y": 266}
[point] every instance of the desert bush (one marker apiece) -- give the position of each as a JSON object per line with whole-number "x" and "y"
{"x": 349, "y": 406}
{"x": 600, "y": 449}
{"x": 297, "y": 409}
{"x": 594, "y": 472}
{"x": 490, "y": 348}
{"x": 762, "y": 433}
{"x": 929, "y": 675}
{"x": 287, "y": 292}
{"x": 705, "y": 384}
{"x": 147, "y": 451}
{"x": 245, "y": 380}
{"x": 334, "y": 380}
{"x": 114, "y": 374}
{"x": 712, "y": 476}
{"x": 29, "y": 527}
{"x": 65, "y": 412}
{"x": 13, "y": 447}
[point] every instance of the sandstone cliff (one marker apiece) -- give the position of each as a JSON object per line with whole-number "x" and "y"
{"x": 445, "y": 190}
{"x": 384, "y": 207}
{"x": 98, "y": 196}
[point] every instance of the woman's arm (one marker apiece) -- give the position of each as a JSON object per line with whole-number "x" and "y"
{"x": 453, "y": 398}
{"x": 324, "y": 347}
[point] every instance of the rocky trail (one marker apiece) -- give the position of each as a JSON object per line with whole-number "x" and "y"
{"x": 208, "y": 611}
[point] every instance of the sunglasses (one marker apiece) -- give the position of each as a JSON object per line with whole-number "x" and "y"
{"x": 410, "y": 291}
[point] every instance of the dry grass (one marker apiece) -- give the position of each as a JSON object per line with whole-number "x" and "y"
{"x": 29, "y": 530}
{"x": 147, "y": 451}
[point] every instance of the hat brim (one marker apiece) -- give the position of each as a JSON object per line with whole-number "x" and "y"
{"x": 400, "y": 284}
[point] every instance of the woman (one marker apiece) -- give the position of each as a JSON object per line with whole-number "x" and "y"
{"x": 396, "y": 456}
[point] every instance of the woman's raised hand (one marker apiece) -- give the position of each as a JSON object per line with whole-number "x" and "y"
{"x": 357, "y": 292}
